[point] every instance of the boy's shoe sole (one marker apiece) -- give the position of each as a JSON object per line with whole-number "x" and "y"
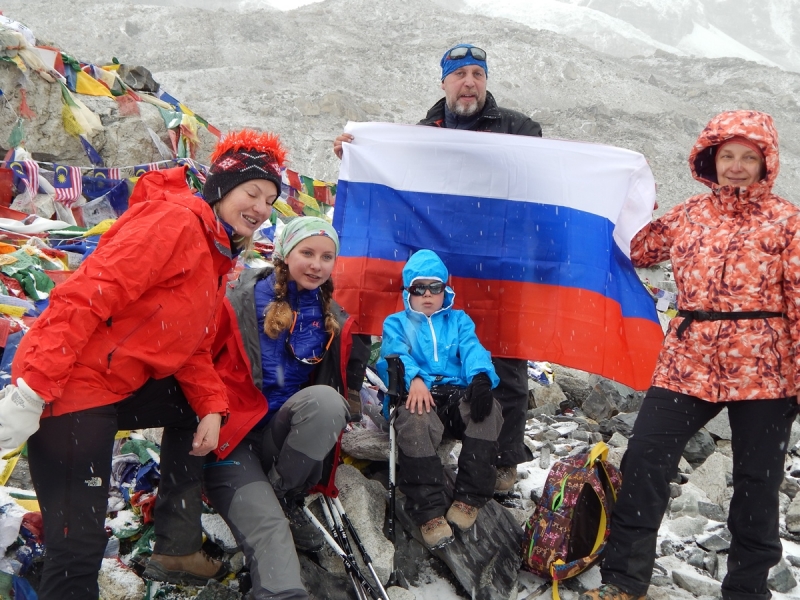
{"x": 436, "y": 533}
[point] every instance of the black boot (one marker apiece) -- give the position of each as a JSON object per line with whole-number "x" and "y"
{"x": 307, "y": 537}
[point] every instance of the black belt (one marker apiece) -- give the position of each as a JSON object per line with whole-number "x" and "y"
{"x": 701, "y": 315}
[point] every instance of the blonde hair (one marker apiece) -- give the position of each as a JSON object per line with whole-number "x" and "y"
{"x": 278, "y": 316}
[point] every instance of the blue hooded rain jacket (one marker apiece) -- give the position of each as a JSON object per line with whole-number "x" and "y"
{"x": 441, "y": 349}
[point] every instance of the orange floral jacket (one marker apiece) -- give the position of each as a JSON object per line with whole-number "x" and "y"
{"x": 734, "y": 249}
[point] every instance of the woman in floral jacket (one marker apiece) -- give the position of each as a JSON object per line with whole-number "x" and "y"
{"x": 735, "y": 253}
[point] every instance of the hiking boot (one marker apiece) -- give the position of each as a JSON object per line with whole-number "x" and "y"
{"x": 462, "y": 515}
{"x": 609, "y": 592}
{"x": 192, "y": 569}
{"x": 436, "y": 533}
{"x": 506, "y": 478}
{"x": 307, "y": 537}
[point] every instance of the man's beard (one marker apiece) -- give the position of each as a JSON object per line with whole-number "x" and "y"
{"x": 469, "y": 110}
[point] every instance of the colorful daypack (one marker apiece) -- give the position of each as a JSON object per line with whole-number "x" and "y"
{"x": 567, "y": 532}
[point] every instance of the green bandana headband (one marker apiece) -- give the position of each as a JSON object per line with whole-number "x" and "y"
{"x": 299, "y": 229}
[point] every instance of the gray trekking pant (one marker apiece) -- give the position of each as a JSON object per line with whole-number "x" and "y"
{"x": 282, "y": 459}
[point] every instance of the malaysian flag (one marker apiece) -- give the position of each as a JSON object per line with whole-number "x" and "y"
{"x": 105, "y": 173}
{"x": 28, "y": 173}
{"x": 140, "y": 170}
{"x": 68, "y": 184}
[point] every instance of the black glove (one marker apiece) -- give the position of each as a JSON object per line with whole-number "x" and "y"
{"x": 479, "y": 396}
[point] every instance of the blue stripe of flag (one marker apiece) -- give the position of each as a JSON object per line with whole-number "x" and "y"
{"x": 491, "y": 239}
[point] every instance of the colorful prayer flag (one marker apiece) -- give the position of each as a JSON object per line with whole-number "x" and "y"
{"x": 165, "y": 97}
{"x": 308, "y": 185}
{"x": 535, "y": 233}
{"x": 24, "y": 109}
{"x": 294, "y": 179}
{"x": 322, "y": 192}
{"x": 91, "y": 153}
{"x": 194, "y": 167}
{"x": 86, "y": 84}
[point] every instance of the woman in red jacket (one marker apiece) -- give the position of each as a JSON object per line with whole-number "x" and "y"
{"x": 125, "y": 344}
{"x": 735, "y": 252}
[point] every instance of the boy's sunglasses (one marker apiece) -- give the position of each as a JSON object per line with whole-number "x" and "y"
{"x": 419, "y": 289}
{"x": 461, "y": 52}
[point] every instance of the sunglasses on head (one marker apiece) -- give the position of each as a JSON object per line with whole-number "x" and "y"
{"x": 311, "y": 360}
{"x": 462, "y": 51}
{"x": 419, "y": 289}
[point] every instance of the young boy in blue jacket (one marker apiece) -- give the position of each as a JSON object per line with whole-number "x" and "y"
{"x": 447, "y": 370}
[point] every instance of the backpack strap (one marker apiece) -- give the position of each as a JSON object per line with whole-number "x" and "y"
{"x": 555, "y": 581}
{"x": 598, "y": 451}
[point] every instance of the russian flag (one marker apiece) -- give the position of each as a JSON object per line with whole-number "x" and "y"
{"x": 535, "y": 233}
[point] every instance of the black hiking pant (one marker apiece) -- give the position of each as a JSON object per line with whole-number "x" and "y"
{"x": 667, "y": 420}
{"x": 512, "y": 394}
{"x": 70, "y": 462}
{"x": 420, "y": 474}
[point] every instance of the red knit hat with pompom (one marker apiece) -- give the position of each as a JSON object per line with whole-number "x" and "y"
{"x": 241, "y": 156}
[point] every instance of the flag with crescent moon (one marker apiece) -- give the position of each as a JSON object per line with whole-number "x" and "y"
{"x": 68, "y": 184}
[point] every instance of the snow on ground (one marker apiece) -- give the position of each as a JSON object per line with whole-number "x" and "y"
{"x": 436, "y": 589}
{"x": 590, "y": 27}
{"x": 277, "y": 4}
{"x": 609, "y": 34}
{"x": 710, "y": 42}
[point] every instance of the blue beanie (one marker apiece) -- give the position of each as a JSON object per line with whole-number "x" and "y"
{"x": 449, "y": 65}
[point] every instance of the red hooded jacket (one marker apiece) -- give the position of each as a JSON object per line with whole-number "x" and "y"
{"x": 733, "y": 249}
{"x": 141, "y": 306}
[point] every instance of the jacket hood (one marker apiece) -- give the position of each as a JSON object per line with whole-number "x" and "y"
{"x": 169, "y": 185}
{"x": 755, "y": 126}
{"x": 426, "y": 264}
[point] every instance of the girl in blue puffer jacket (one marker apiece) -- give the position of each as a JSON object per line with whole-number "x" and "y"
{"x": 446, "y": 368}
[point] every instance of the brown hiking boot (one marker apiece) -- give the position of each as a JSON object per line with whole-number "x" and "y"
{"x": 462, "y": 515}
{"x": 192, "y": 569}
{"x": 436, "y": 533}
{"x": 609, "y": 592}
{"x": 506, "y": 478}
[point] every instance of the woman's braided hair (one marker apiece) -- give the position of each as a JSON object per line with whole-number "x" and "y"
{"x": 278, "y": 316}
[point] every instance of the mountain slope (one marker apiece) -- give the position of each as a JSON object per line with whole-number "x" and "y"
{"x": 306, "y": 72}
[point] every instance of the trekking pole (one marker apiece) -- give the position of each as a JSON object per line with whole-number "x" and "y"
{"x": 342, "y": 515}
{"x": 346, "y": 554}
{"x": 396, "y": 392}
{"x": 338, "y": 528}
{"x": 345, "y": 542}
{"x": 396, "y": 384}
{"x": 348, "y": 566}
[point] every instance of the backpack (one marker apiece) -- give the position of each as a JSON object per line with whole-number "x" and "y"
{"x": 567, "y": 531}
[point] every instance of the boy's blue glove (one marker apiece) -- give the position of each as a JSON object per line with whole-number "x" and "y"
{"x": 479, "y": 396}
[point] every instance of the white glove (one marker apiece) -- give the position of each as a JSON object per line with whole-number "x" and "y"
{"x": 20, "y": 410}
